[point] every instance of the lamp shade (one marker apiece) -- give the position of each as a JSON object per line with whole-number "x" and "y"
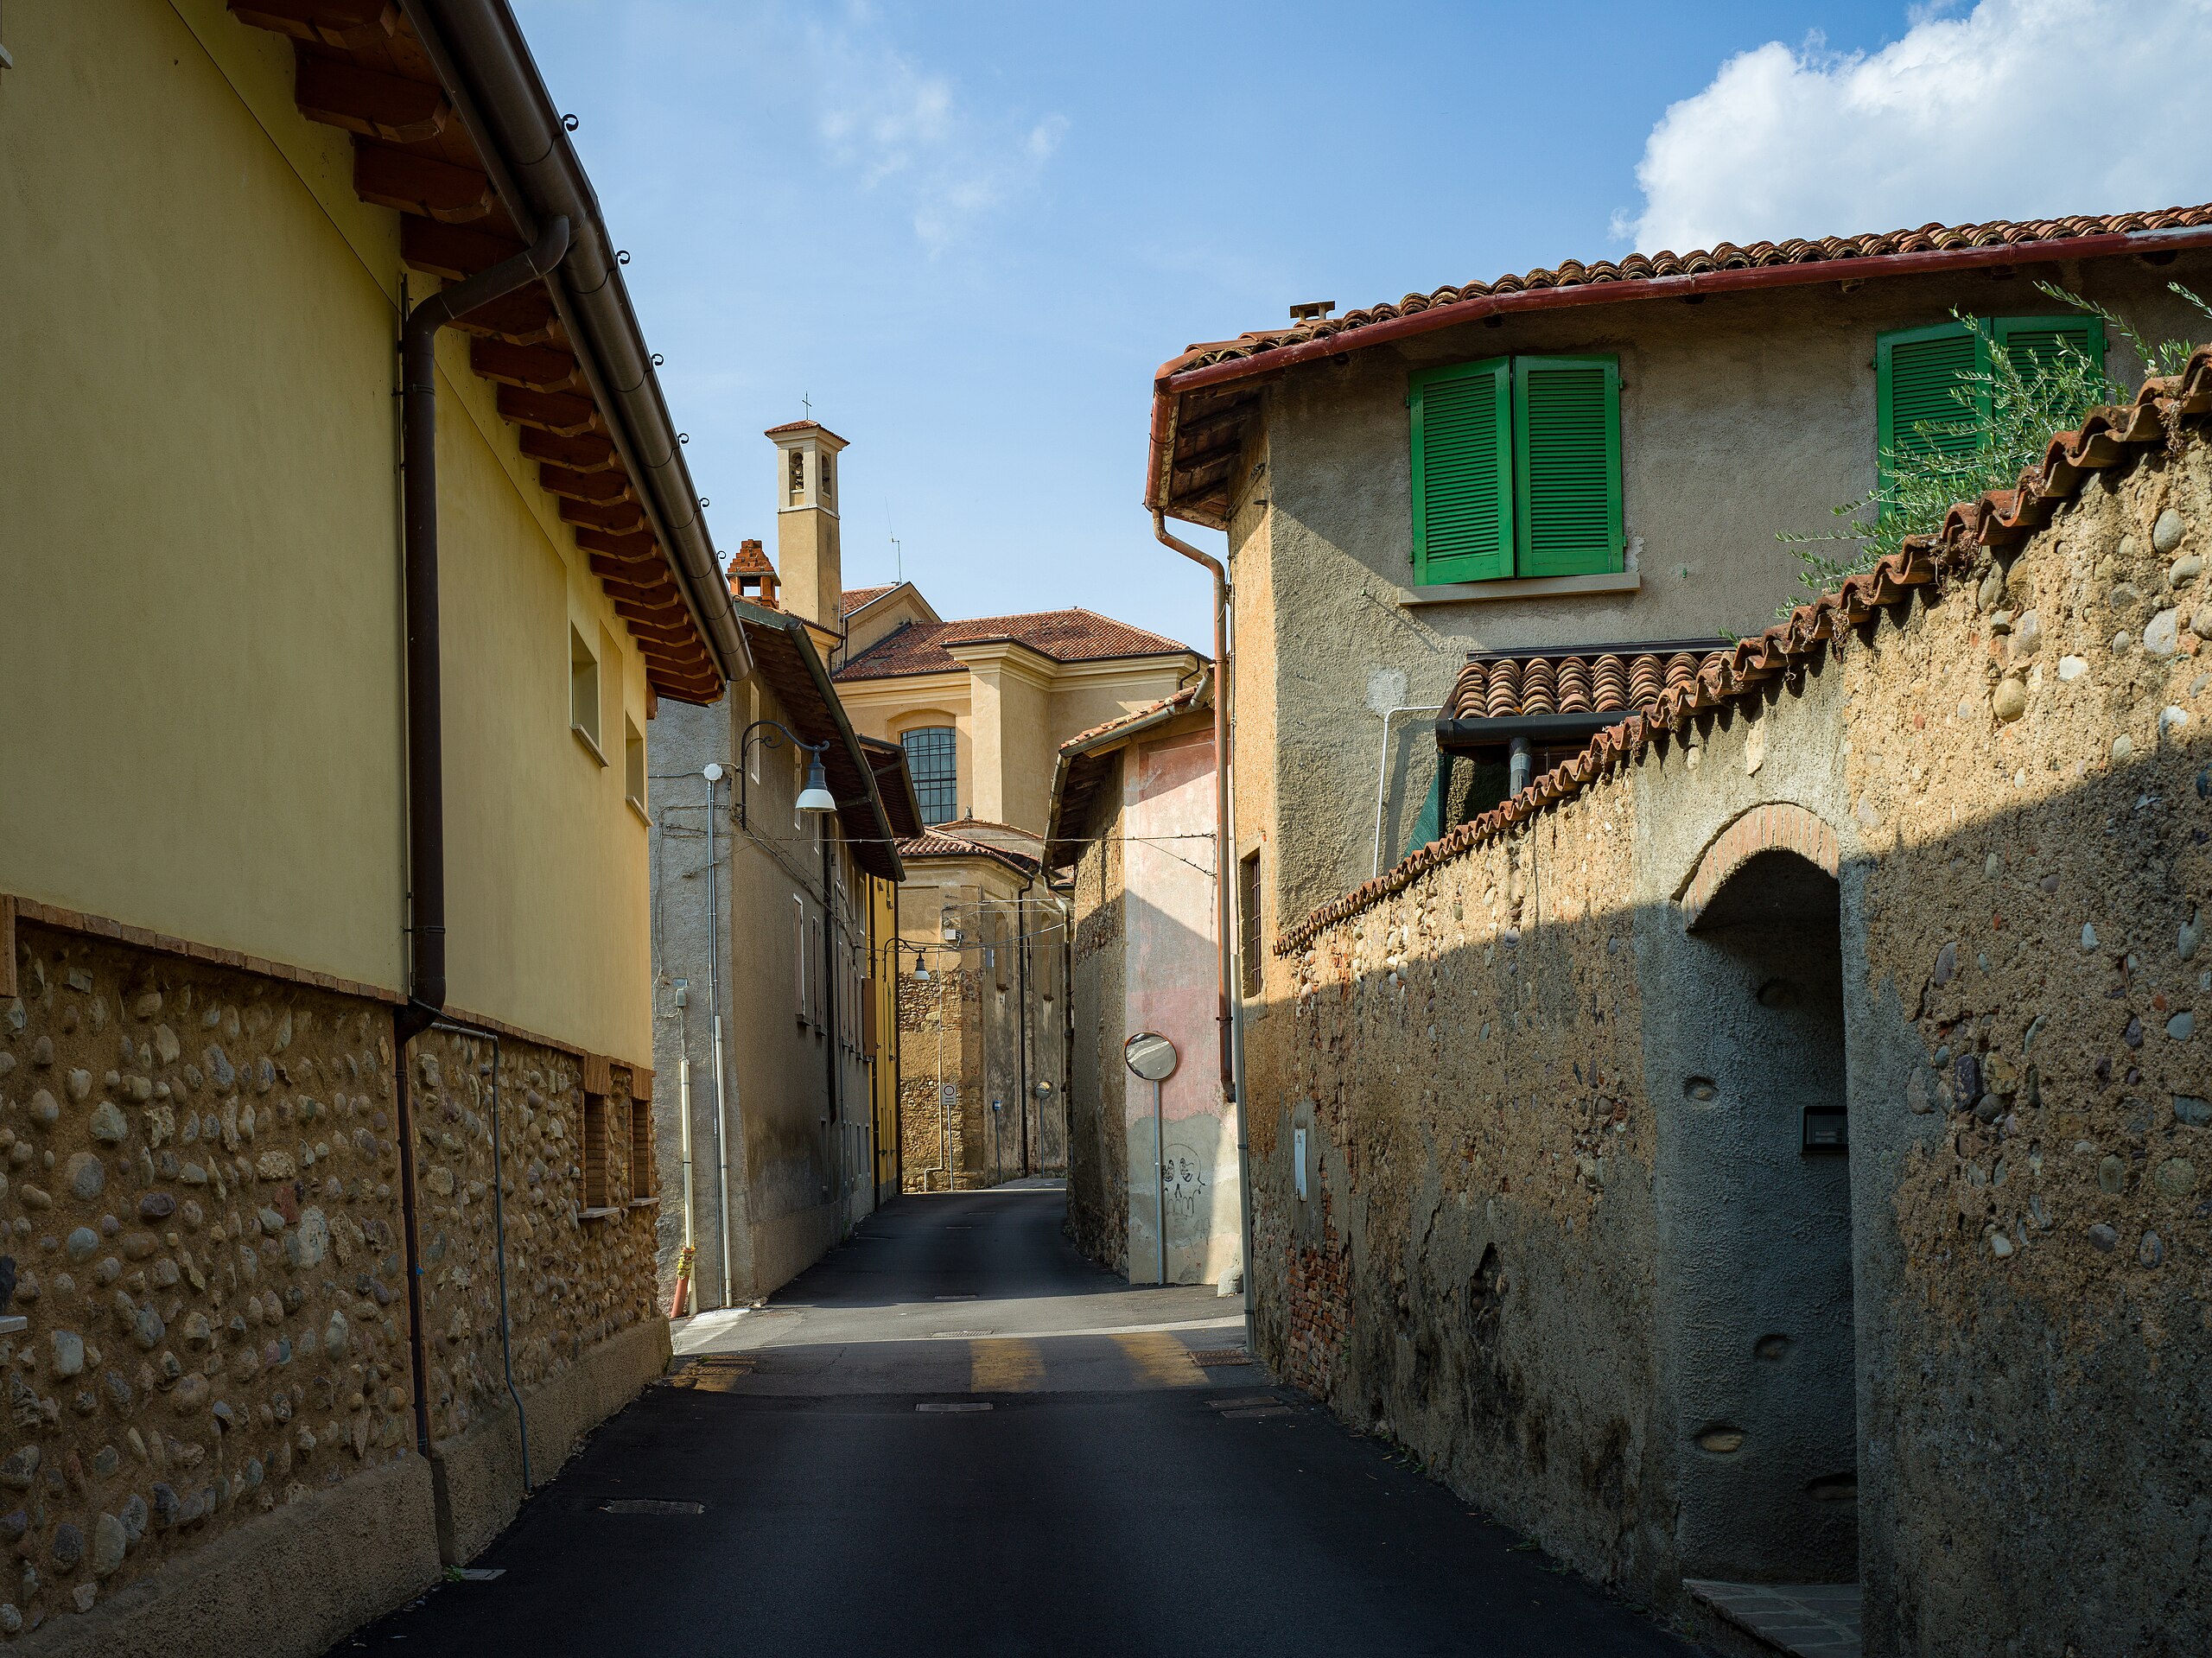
{"x": 816, "y": 797}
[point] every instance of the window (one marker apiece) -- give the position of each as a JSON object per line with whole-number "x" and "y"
{"x": 798, "y": 945}
{"x": 641, "y": 1149}
{"x": 1516, "y": 469}
{"x": 819, "y": 963}
{"x": 1249, "y": 966}
{"x": 594, "y": 1150}
{"x": 752, "y": 718}
{"x": 634, "y": 765}
{"x": 583, "y": 691}
{"x": 931, "y": 757}
{"x": 797, "y": 476}
{"x": 1919, "y": 371}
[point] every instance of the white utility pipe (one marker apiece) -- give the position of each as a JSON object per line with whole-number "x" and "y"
{"x": 1383, "y": 770}
{"x": 714, "y": 776}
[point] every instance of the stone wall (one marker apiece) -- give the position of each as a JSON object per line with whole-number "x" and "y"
{"x": 203, "y": 1216}
{"x": 1553, "y": 1072}
{"x": 939, "y": 1150}
{"x": 202, "y": 1210}
{"x": 1099, "y": 1162}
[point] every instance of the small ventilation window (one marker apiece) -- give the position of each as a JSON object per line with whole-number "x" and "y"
{"x": 594, "y": 1150}
{"x": 634, "y": 765}
{"x": 583, "y": 690}
{"x": 641, "y": 1149}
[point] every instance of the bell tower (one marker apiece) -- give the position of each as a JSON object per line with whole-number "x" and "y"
{"x": 809, "y": 565}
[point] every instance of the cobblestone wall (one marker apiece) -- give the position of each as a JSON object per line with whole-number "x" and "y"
{"x": 937, "y": 1016}
{"x": 2005, "y": 769}
{"x": 203, "y": 1222}
{"x": 572, "y": 1282}
{"x": 199, "y": 1188}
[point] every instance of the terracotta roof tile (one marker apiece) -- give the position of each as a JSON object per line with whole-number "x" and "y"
{"x": 1726, "y": 256}
{"x": 1181, "y": 699}
{"x": 937, "y": 844}
{"x": 1063, "y": 635}
{"x": 1575, "y": 679}
{"x": 854, "y": 598}
{"x": 2114, "y": 436}
{"x": 801, "y": 426}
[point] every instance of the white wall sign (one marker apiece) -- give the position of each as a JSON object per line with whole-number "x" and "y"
{"x": 1297, "y": 1159}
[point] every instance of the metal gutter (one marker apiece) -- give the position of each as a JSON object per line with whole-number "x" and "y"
{"x": 481, "y": 56}
{"x": 750, "y": 615}
{"x": 1540, "y": 730}
{"x": 1169, "y": 386}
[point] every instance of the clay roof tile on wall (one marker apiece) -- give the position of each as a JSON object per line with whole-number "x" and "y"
{"x": 1574, "y": 679}
{"x": 1062, "y": 635}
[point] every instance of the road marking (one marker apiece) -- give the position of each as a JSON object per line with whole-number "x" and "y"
{"x": 1046, "y": 1335}
{"x": 1005, "y": 1365}
{"x": 1160, "y": 1359}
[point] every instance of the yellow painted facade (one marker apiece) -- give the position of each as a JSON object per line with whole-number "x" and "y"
{"x": 201, "y": 655}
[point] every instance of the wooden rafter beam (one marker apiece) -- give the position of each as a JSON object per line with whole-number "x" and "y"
{"x": 347, "y": 24}
{"x": 641, "y": 545}
{"x": 410, "y": 183}
{"x": 548, "y": 412}
{"x": 389, "y": 107}
{"x": 526, "y": 317}
{"x": 615, "y": 517}
{"x": 625, "y": 569}
{"x": 590, "y": 453}
{"x": 610, "y": 486}
{"x": 451, "y": 251}
{"x": 534, "y": 368}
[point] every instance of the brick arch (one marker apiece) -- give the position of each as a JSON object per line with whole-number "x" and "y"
{"x": 1781, "y": 827}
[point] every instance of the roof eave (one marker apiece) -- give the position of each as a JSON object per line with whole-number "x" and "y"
{"x": 1171, "y": 383}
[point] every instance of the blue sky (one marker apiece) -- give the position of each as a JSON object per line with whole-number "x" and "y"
{"x": 971, "y": 231}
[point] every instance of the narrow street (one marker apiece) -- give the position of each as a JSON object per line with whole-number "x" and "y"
{"x": 955, "y": 1435}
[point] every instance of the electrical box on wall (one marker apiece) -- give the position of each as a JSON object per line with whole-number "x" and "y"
{"x": 1298, "y": 1159}
{"x": 1827, "y": 1131}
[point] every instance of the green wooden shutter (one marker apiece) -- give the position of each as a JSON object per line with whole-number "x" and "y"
{"x": 1463, "y": 473}
{"x": 1566, "y": 469}
{"x": 1916, "y": 372}
{"x": 2040, "y": 340}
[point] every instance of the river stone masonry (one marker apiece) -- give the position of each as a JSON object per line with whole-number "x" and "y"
{"x": 199, "y": 1199}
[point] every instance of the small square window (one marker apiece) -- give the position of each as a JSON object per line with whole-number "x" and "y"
{"x": 583, "y": 691}
{"x": 641, "y": 1149}
{"x": 594, "y": 1150}
{"x": 634, "y": 765}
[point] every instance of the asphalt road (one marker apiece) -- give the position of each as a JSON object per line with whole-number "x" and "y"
{"x": 955, "y": 1435}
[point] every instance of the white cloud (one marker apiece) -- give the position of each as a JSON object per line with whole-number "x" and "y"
{"x": 899, "y": 126}
{"x": 2019, "y": 109}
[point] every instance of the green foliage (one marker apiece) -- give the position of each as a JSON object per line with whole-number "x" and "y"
{"x": 2029, "y": 403}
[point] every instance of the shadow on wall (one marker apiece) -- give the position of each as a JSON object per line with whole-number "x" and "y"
{"x": 1576, "y": 1227}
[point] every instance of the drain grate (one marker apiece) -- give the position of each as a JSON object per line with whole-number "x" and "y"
{"x": 1209, "y": 1358}
{"x": 649, "y": 1505}
{"x": 1257, "y": 1410}
{"x": 956, "y": 1407}
{"x": 1242, "y": 1400}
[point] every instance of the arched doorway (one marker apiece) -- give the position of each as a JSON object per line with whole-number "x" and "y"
{"x": 1756, "y": 1229}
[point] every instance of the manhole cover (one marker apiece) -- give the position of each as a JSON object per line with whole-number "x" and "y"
{"x": 1262, "y": 1410}
{"x": 958, "y": 1406}
{"x": 1212, "y": 1358}
{"x": 1242, "y": 1400}
{"x": 649, "y": 1505}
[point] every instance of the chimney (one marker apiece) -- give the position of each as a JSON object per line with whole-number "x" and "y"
{"x": 808, "y": 563}
{"x": 751, "y": 577}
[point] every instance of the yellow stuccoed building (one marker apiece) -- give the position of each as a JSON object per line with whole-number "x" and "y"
{"x": 325, "y": 1034}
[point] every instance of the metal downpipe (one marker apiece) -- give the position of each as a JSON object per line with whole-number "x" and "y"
{"x": 426, "y": 824}
{"x": 1232, "y": 1038}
